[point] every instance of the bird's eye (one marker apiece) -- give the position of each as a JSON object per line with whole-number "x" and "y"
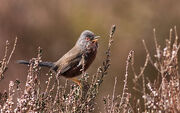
{"x": 87, "y": 38}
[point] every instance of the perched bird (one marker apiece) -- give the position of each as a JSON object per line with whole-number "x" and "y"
{"x": 80, "y": 56}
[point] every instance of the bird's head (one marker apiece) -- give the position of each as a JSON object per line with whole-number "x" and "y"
{"x": 87, "y": 39}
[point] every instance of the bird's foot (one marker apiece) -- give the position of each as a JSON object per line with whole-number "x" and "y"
{"x": 78, "y": 82}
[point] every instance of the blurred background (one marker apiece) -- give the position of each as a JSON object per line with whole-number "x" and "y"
{"x": 55, "y": 25}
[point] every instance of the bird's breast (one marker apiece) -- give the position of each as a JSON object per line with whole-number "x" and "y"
{"x": 89, "y": 57}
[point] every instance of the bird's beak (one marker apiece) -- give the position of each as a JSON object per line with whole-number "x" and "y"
{"x": 95, "y": 39}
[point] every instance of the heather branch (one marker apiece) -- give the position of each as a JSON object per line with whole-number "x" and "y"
{"x": 126, "y": 76}
{"x": 106, "y": 62}
{"x": 5, "y": 61}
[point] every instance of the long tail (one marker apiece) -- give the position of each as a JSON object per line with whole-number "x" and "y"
{"x": 43, "y": 64}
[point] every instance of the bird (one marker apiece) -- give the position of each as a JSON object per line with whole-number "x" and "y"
{"x": 80, "y": 56}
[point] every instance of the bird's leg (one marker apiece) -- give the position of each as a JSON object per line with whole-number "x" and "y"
{"x": 76, "y": 81}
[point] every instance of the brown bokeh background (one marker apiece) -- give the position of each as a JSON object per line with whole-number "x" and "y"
{"x": 55, "y": 25}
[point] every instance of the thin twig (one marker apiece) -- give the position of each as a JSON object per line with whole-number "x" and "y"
{"x": 15, "y": 43}
{"x": 150, "y": 59}
{"x": 113, "y": 95}
{"x": 126, "y": 76}
{"x": 142, "y": 69}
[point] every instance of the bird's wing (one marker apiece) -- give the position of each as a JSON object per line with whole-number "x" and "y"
{"x": 73, "y": 64}
{"x": 70, "y": 60}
